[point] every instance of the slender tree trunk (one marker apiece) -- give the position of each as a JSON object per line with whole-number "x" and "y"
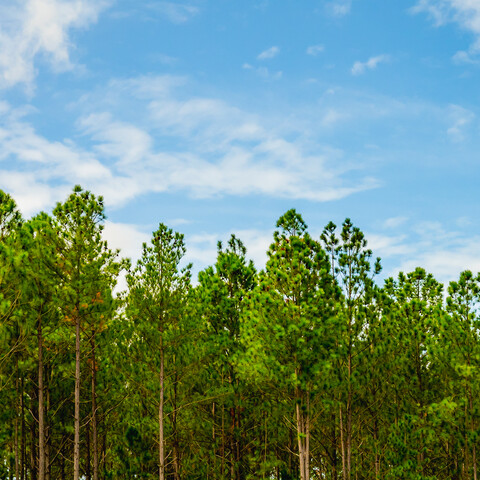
{"x": 17, "y": 414}
{"x": 33, "y": 443}
{"x": 88, "y": 471}
{"x": 41, "y": 409}
{"x": 161, "y": 446}
{"x": 232, "y": 443}
{"x": 466, "y": 461}
{"x": 334, "y": 447}
{"x": 303, "y": 435}
{"x": 176, "y": 446}
{"x": 342, "y": 441}
{"x": 76, "y": 441}
{"x": 349, "y": 419}
{"x": 307, "y": 439}
{"x": 222, "y": 464}
{"x": 47, "y": 426}
{"x": 214, "y": 441}
{"x": 94, "y": 409}
{"x": 23, "y": 447}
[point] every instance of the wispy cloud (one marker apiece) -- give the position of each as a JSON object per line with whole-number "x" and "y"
{"x": 268, "y": 53}
{"x": 32, "y": 28}
{"x": 339, "y": 8}
{"x": 442, "y": 252}
{"x": 169, "y": 142}
{"x": 461, "y": 118}
{"x": 314, "y": 50}
{"x": 174, "y": 11}
{"x": 359, "y": 68}
{"x": 264, "y": 72}
{"x": 394, "y": 222}
{"x": 465, "y": 13}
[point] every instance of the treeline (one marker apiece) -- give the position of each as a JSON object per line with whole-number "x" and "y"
{"x": 305, "y": 370}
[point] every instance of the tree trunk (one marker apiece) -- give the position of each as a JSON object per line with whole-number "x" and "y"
{"x": 88, "y": 473}
{"x": 33, "y": 443}
{"x": 161, "y": 446}
{"x": 47, "y": 426}
{"x": 333, "y": 454}
{"x": 303, "y": 435}
{"x": 349, "y": 419}
{"x": 41, "y": 410}
{"x": 232, "y": 443}
{"x": 342, "y": 441}
{"x": 23, "y": 446}
{"x": 94, "y": 410}
{"x": 176, "y": 443}
{"x": 17, "y": 414}
{"x": 76, "y": 442}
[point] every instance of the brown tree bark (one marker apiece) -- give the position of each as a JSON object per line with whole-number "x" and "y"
{"x": 41, "y": 409}
{"x": 161, "y": 446}
{"x": 94, "y": 409}
{"x": 76, "y": 441}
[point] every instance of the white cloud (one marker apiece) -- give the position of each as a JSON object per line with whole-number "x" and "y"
{"x": 447, "y": 261}
{"x": 170, "y": 142}
{"x": 268, "y": 53}
{"x": 444, "y": 253}
{"x": 264, "y": 72}
{"x": 125, "y": 237}
{"x": 332, "y": 117}
{"x": 339, "y": 8}
{"x": 33, "y": 28}
{"x": 460, "y": 118}
{"x": 360, "y": 67}
{"x": 314, "y": 50}
{"x": 388, "y": 246}
{"x": 394, "y": 222}
{"x": 174, "y": 11}
{"x": 465, "y": 13}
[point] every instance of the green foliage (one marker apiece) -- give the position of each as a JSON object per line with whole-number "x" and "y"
{"x": 306, "y": 369}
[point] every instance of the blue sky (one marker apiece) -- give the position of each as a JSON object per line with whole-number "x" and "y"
{"x": 215, "y": 117}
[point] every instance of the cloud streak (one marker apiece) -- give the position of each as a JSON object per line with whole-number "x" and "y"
{"x": 269, "y": 53}
{"x": 465, "y": 13}
{"x": 360, "y": 68}
{"x": 175, "y": 12}
{"x": 169, "y": 142}
{"x": 315, "y": 50}
{"x": 33, "y": 28}
{"x": 339, "y": 8}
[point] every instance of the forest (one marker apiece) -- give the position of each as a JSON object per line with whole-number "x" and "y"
{"x": 307, "y": 369}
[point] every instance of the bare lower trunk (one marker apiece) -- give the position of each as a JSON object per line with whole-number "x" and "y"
{"x": 176, "y": 443}
{"x": 334, "y": 447}
{"x": 214, "y": 440}
{"x": 232, "y": 443}
{"x": 23, "y": 447}
{"x": 303, "y": 435}
{"x": 76, "y": 440}
{"x": 474, "y": 459}
{"x": 349, "y": 420}
{"x": 94, "y": 411}
{"x": 47, "y": 429}
{"x": 41, "y": 410}
{"x": 33, "y": 443}
{"x": 17, "y": 456}
{"x": 88, "y": 463}
{"x": 342, "y": 441}
{"x": 161, "y": 446}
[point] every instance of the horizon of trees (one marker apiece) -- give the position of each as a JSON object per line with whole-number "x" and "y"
{"x": 304, "y": 370}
